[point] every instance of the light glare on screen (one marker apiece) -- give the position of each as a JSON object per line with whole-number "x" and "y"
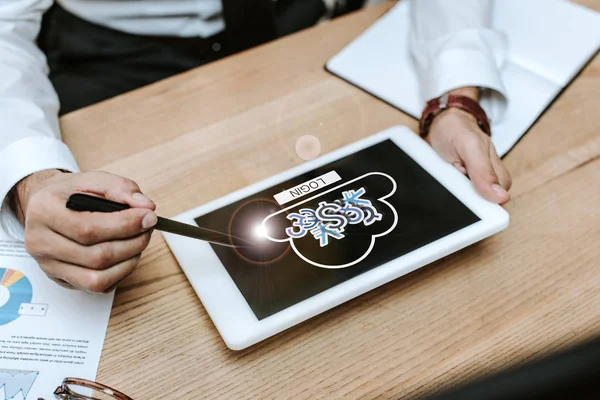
{"x": 260, "y": 231}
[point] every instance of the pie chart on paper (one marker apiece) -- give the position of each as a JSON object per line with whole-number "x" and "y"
{"x": 15, "y": 289}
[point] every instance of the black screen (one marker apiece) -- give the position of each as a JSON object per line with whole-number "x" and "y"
{"x": 341, "y": 230}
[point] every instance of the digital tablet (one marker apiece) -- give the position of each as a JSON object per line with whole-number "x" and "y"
{"x": 327, "y": 231}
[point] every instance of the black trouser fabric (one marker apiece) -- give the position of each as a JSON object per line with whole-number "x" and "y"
{"x": 90, "y": 63}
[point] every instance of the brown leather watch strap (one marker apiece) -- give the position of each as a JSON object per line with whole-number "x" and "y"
{"x": 438, "y": 105}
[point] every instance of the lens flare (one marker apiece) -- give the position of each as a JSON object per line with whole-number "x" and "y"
{"x": 260, "y": 231}
{"x": 308, "y": 147}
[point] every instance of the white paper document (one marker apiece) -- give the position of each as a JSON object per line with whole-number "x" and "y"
{"x": 47, "y": 332}
{"x": 549, "y": 42}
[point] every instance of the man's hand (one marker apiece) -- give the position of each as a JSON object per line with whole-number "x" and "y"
{"x": 85, "y": 250}
{"x": 455, "y": 135}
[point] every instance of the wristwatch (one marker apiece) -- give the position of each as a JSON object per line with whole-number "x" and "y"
{"x": 438, "y": 105}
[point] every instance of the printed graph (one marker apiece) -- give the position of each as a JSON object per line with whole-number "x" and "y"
{"x": 15, "y": 290}
{"x": 15, "y": 384}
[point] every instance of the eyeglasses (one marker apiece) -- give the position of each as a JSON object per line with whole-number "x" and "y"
{"x": 74, "y": 389}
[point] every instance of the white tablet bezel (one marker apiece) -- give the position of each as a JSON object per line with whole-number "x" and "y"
{"x": 227, "y": 307}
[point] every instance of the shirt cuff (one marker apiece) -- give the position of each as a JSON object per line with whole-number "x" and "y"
{"x": 455, "y": 68}
{"x": 23, "y": 158}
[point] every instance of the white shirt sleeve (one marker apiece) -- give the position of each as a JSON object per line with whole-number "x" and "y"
{"x": 453, "y": 46}
{"x": 29, "y": 132}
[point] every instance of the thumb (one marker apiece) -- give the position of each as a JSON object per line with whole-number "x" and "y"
{"x": 479, "y": 168}
{"x": 115, "y": 188}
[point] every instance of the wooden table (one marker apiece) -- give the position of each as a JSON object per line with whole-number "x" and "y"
{"x": 190, "y": 139}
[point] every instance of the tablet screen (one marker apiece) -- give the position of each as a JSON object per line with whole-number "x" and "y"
{"x": 326, "y": 226}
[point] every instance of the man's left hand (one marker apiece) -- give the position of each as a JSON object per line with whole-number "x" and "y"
{"x": 455, "y": 135}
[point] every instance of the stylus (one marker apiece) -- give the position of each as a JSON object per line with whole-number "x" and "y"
{"x": 84, "y": 202}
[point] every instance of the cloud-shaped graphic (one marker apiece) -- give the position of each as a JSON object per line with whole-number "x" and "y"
{"x": 358, "y": 237}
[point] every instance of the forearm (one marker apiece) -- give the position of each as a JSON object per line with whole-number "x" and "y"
{"x": 456, "y": 52}
{"x": 454, "y": 46}
{"x": 30, "y": 136}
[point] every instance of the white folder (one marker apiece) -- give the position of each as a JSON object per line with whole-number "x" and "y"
{"x": 549, "y": 43}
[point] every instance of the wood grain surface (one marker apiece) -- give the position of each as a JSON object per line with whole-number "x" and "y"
{"x": 527, "y": 291}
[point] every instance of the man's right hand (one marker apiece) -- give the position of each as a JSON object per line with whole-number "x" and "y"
{"x": 86, "y": 250}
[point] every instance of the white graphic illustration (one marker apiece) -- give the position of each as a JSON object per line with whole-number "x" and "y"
{"x": 329, "y": 220}
{"x": 33, "y": 309}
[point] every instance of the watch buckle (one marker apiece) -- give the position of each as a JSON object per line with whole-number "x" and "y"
{"x": 444, "y": 101}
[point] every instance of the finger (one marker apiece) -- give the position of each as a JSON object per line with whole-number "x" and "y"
{"x": 90, "y": 280}
{"x": 103, "y": 255}
{"x": 475, "y": 155}
{"x": 88, "y": 228}
{"x": 114, "y": 286}
{"x": 501, "y": 172}
{"x": 459, "y": 166}
{"x": 112, "y": 187}
{"x": 62, "y": 283}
